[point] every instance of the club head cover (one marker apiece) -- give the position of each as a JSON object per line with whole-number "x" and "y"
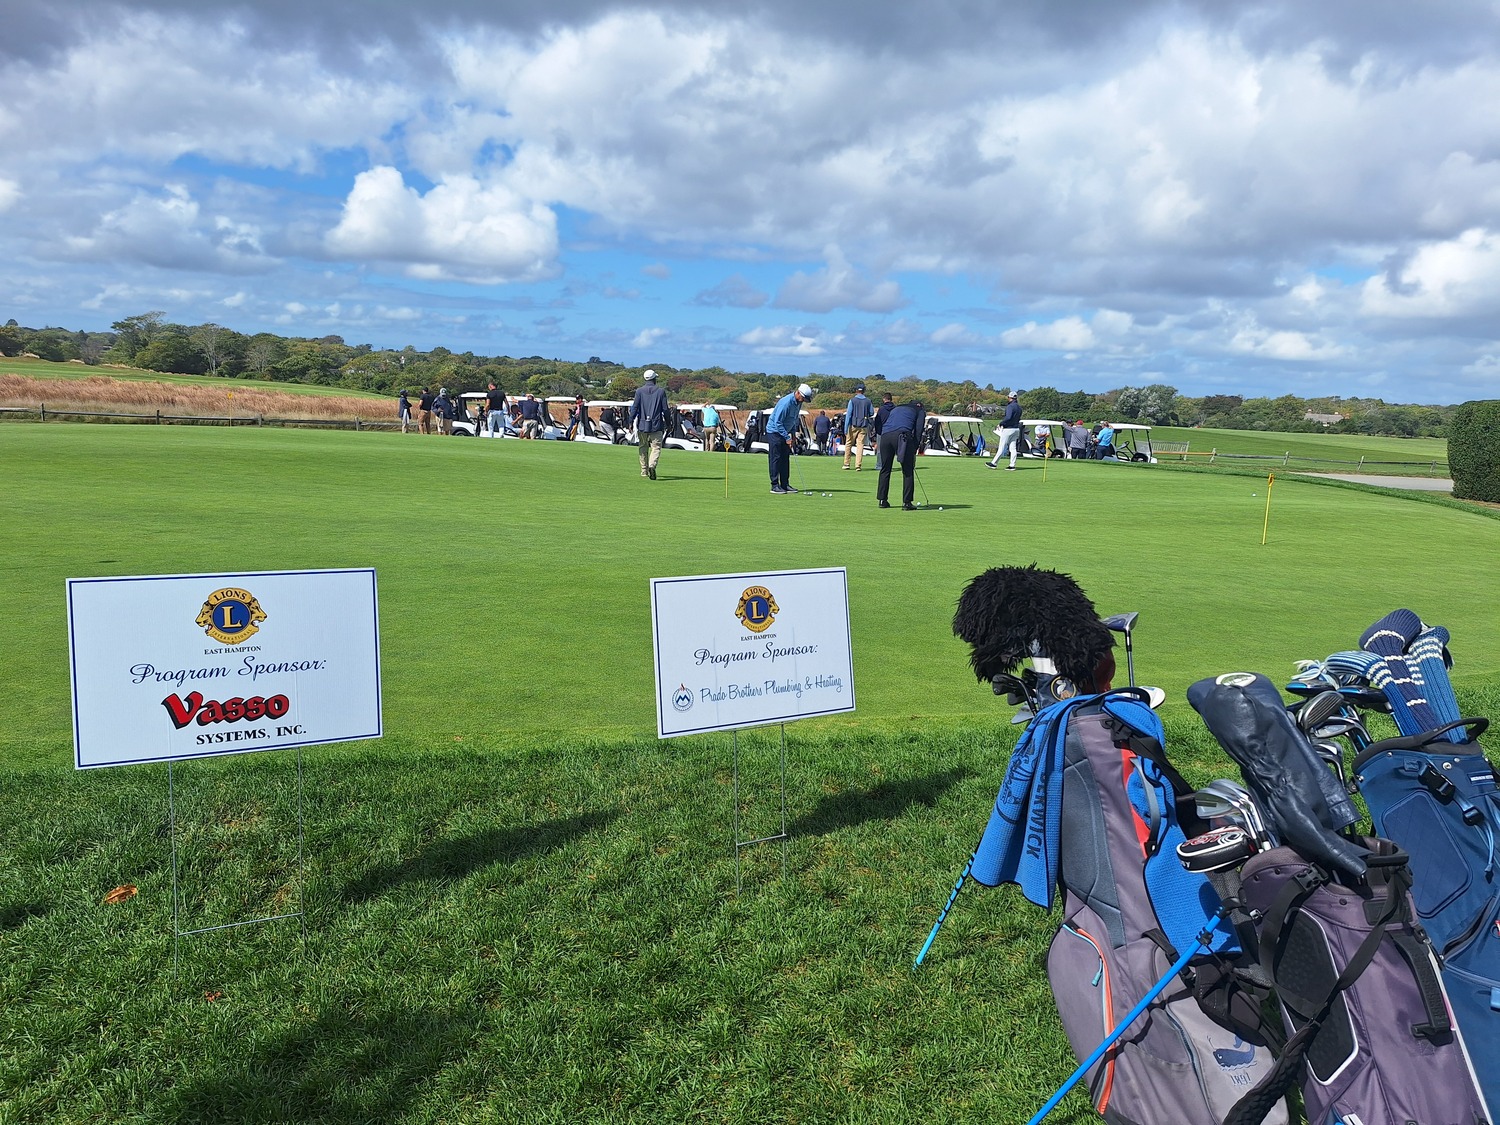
{"x": 1299, "y": 796}
{"x": 1010, "y": 614}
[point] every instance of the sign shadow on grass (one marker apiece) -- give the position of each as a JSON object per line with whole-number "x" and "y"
{"x": 884, "y": 801}
{"x": 342, "y": 1066}
{"x": 455, "y": 858}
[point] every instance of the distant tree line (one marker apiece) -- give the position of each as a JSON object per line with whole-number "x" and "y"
{"x": 148, "y": 340}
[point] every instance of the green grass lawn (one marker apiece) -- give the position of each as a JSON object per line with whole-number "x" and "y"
{"x": 1317, "y": 452}
{"x": 521, "y": 906}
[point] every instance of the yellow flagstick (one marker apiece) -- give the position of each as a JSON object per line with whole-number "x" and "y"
{"x": 1270, "y": 483}
{"x": 726, "y": 470}
{"x": 1045, "y": 459}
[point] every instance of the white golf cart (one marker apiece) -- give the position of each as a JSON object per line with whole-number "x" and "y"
{"x": 952, "y": 435}
{"x": 466, "y": 421}
{"x": 1133, "y": 443}
{"x": 1056, "y": 437}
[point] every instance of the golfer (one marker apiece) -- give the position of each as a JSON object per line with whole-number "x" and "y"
{"x": 900, "y": 438}
{"x": 710, "y": 429}
{"x": 786, "y": 420}
{"x": 495, "y": 408}
{"x": 856, "y": 421}
{"x": 648, "y": 414}
{"x": 1010, "y": 435}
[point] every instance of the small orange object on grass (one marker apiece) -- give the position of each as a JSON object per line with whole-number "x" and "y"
{"x": 121, "y": 894}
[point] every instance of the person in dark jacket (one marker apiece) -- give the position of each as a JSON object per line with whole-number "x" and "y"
{"x": 883, "y": 412}
{"x": 1010, "y": 434}
{"x": 442, "y": 409}
{"x": 648, "y": 414}
{"x": 857, "y": 417}
{"x": 900, "y": 437}
{"x": 424, "y": 410}
{"x": 822, "y": 427}
{"x": 403, "y": 411}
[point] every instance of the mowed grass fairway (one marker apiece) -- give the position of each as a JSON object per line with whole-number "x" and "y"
{"x": 521, "y": 905}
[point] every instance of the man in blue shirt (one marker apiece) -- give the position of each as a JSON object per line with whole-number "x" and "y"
{"x": 1010, "y": 434}
{"x": 857, "y": 417}
{"x": 1106, "y": 446}
{"x": 785, "y": 421}
{"x": 900, "y": 438}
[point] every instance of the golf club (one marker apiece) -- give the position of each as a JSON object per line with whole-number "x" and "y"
{"x": 926, "y": 503}
{"x": 1123, "y": 623}
{"x": 1225, "y": 798}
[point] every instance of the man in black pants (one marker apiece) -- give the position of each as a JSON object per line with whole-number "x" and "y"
{"x": 901, "y": 437}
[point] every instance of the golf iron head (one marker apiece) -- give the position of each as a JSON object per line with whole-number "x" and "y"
{"x": 1229, "y": 800}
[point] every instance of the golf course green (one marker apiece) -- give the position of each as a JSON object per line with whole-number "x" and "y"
{"x": 520, "y": 905}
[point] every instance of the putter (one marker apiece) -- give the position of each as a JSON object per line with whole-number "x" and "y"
{"x": 1123, "y": 623}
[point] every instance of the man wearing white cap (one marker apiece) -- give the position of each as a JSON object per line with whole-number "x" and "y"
{"x": 648, "y": 414}
{"x": 785, "y": 421}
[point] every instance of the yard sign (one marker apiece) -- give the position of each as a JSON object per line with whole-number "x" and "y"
{"x": 742, "y": 650}
{"x": 193, "y": 665}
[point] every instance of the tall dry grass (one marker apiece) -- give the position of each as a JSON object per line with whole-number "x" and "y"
{"x": 128, "y": 396}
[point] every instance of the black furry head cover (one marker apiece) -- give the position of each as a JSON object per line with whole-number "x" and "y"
{"x": 1007, "y": 608}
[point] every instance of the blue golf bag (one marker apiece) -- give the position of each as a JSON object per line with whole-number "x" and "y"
{"x": 1438, "y": 800}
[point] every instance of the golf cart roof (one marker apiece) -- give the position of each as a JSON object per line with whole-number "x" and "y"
{"x": 605, "y": 402}
{"x": 1128, "y": 426}
{"x": 1043, "y": 422}
{"x": 475, "y": 395}
{"x": 954, "y": 418}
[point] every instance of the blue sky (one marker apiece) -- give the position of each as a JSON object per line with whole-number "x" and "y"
{"x": 1260, "y": 198}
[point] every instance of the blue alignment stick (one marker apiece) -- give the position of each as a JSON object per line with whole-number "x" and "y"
{"x": 1203, "y": 942}
{"x": 947, "y": 906}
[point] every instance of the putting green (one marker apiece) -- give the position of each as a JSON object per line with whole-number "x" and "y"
{"x": 514, "y": 575}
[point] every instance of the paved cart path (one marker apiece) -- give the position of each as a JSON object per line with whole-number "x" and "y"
{"x": 1420, "y": 484}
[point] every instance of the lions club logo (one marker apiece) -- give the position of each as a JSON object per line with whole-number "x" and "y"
{"x": 231, "y": 616}
{"x": 757, "y": 609}
{"x": 682, "y": 699}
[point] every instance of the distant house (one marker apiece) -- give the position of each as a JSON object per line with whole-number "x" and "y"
{"x": 1323, "y": 419}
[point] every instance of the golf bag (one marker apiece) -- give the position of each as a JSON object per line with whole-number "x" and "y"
{"x": 1438, "y": 801}
{"x": 1090, "y": 803}
{"x": 1360, "y": 994}
{"x": 1370, "y": 1032}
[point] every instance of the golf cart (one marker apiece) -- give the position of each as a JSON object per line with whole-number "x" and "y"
{"x": 607, "y": 422}
{"x": 466, "y": 422}
{"x": 1057, "y": 442}
{"x": 953, "y": 435}
{"x": 756, "y": 429}
{"x": 1133, "y": 442}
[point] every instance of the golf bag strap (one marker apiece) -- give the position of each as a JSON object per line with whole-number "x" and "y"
{"x": 1417, "y": 956}
{"x": 1253, "y": 1107}
{"x": 1420, "y": 741}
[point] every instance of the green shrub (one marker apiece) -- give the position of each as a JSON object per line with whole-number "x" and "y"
{"x": 1473, "y": 454}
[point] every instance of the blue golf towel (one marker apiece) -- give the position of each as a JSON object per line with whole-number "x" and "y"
{"x": 1020, "y": 841}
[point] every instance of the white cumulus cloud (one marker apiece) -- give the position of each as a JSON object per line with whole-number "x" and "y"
{"x": 461, "y": 229}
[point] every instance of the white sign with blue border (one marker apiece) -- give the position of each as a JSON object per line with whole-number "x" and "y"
{"x": 166, "y": 667}
{"x": 743, "y": 650}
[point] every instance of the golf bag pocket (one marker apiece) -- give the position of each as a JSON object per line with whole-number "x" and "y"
{"x": 1174, "y": 1063}
{"x": 1360, "y": 994}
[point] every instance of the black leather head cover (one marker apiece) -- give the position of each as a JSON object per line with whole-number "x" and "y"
{"x": 1300, "y": 798}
